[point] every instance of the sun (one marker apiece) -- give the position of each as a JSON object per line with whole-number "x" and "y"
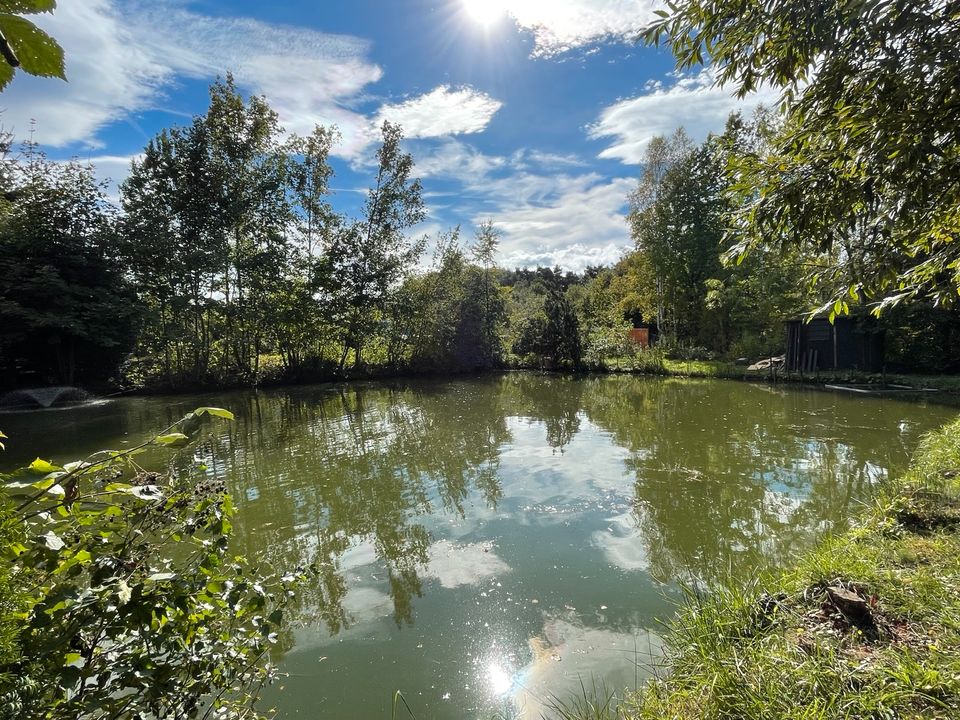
{"x": 484, "y": 12}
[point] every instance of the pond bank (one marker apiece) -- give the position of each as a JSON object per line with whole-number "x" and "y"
{"x": 937, "y": 388}
{"x": 865, "y": 626}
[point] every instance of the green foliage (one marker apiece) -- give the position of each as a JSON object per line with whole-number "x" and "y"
{"x": 23, "y": 45}
{"x": 128, "y": 602}
{"x": 68, "y": 313}
{"x": 679, "y": 278}
{"x": 373, "y": 253}
{"x": 547, "y": 329}
{"x": 238, "y": 253}
{"x": 866, "y": 166}
{"x": 451, "y": 317}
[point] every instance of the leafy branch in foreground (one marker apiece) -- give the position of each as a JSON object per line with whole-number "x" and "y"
{"x": 118, "y": 594}
{"x": 867, "y": 165}
{"x": 25, "y": 46}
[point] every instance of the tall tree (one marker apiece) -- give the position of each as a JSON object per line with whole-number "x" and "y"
{"x": 677, "y": 224}
{"x": 371, "y": 256}
{"x": 67, "y": 313}
{"x": 483, "y": 320}
{"x": 867, "y": 167}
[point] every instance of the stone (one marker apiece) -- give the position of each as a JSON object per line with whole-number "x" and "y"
{"x": 855, "y": 608}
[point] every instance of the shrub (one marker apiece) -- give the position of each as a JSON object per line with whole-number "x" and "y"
{"x": 127, "y": 601}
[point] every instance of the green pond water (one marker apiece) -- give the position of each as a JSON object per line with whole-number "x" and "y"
{"x": 489, "y": 543}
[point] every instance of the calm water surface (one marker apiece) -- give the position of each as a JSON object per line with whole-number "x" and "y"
{"x": 487, "y": 543}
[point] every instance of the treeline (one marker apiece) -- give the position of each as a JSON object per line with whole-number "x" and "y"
{"x": 226, "y": 263}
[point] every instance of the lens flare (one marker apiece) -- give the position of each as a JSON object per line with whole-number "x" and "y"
{"x": 484, "y": 12}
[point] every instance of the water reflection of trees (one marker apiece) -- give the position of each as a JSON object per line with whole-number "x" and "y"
{"x": 318, "y": 474}
{"x": 731, "y": 477}
{"x": 724, "y": 476}
{"x": 556, "y": 401}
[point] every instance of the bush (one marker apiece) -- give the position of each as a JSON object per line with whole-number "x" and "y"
{"x": 685, "y": 351}
{"x": 127, "y": 601}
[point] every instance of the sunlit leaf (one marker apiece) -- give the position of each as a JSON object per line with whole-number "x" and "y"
{"x": 216, "y": 412}
{"x": 42, "y": 466}
{"x": 38, "y": 53}
{"x": 125, "y": 593}
{"x": 53, "y": 542}
{"x": 171, "y": 439}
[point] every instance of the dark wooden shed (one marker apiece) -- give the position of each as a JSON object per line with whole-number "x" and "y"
{"x": 846, "y": 344}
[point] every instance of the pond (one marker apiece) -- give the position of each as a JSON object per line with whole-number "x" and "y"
{"x": 486, "y": 544}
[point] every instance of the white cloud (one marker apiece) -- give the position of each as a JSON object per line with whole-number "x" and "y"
{"x": 455, "y": 159}
{"x": 309, "y": 77}
{"x": 562, "y": 25}
{"x": 548, "y": 214}
{"x": 121, "y": 56}
{"x": 442, "y": 112}
{"x": 110, "y": 75}
{"x": 694, "y": 102}
{"x": 570, "y": 221}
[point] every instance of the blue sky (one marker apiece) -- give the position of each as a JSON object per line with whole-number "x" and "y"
{"x": 532, "y": 113}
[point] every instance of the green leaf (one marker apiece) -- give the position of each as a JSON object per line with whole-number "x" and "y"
{"x": 216, "y": 412}
{"x": 42, "y": 466}
{"x": 171, "y": 439}
{"x": 48, "y": 485}
{"x": 39, "y": 54}
{"x": 27, "y": 7}
{"x": 2, "y": 437}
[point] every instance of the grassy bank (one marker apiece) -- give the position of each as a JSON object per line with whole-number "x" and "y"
{"x": 658, "y": 365}
{"x": 867, "y": 626}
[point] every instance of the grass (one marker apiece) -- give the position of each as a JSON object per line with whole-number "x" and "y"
{"x": 650, "y": 362}
{"x": 789, "y": 648}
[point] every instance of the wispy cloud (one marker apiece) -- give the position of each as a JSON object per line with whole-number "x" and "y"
{"x": 121, "y": 57}
{"x": 570, "y": 221}
{"x": 549, "y": 213}
{"x": 309, "y": 77}
{"x": 443, "y": 112}
{"x": 110, "y": 75}
{"x": 694, "y": 102}
{"x": 562, "y": 25}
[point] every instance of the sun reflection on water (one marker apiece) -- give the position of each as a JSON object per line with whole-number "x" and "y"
{"x": 500, "y": 680}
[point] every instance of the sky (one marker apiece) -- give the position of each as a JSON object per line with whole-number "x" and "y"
{"x": 531, "y": 113}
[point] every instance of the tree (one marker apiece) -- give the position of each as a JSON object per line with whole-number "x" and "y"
{"x": 676, "y": 222}
{"x": 210, "y": 232}
{"x": 67, "y": 313}
{"x": 485, "y": 311}
{"x": 867, "y": 166}
{"x": 23, "y": 45}
{"x": 174, "y": 249}
{"x": 545, "y": 322}
{"x": 371, "y": 256}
